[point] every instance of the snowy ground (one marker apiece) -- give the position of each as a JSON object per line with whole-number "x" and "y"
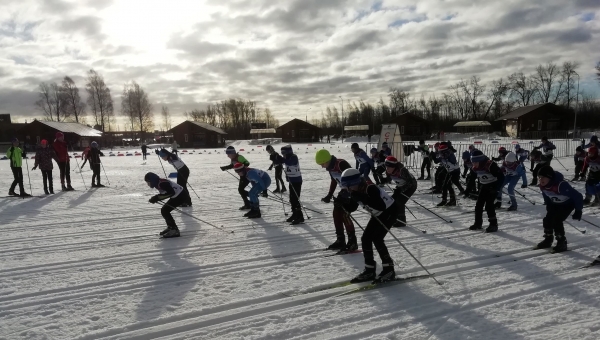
{"x": 88, "y": 264}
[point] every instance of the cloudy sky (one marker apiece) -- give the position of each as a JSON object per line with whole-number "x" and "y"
{"x": 294, "y": 56}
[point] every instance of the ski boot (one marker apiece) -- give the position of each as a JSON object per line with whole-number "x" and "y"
{"x": 51, "y": 189}
{"x": 352, "y": 244}
{"x": 46, "y": 191}
{"x": 339, "y": 244}
{"x": 512, "y": 208}
{"x": 588, "y": 199}
{"x": 93, "y": 185}
{"x": 299, "y": 218}
{"x": 253, "y": 213}
{"x": 398, "y": 223}
{"x": 428, "y": 178}
{"x": 524, "y": 186}
{"x": 367, "y": 275}
{"x": 533, "y": 183}
{"x": 387, "y": 273}
{"x": 64, "y": 188}
{"x": 493, "y": 227}
{"x": 478, "y": 225}
{"x": 171, "y": 232}
{"x": 547, "y": 242}
{"x": 498, "y": 204}
{"x": 420, "y": 178}
{"x": 561, "y": 244}
{"x": 245, "y": 207}
{"x": 12, "y": 193}
{"x": 596, "y": 201}
{"x": 69, "y": 187}
{"x": 276, "y": 191}
{"x": 283, "y": 190}
{"x": 264, "y": 194}
{"x": 451, "y": 203}
{"x": 100, "y": 185}
{"x": 24, "y": 194}
{"x": 442, "y": 203}
{"x": 292, "y": 217}
{"x": 576, "y": 178}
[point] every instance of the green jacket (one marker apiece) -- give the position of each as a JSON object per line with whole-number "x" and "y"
{"x": 15, "y": 154}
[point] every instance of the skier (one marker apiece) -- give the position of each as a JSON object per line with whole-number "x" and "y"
{"x": 491, "y": 178}
{"x": 579, "y": 159}
{"x": 94, "y": 157}
{"x": 144, "y": 150}
{"x": 547, "y": 150}
{"x": 43, "y": 158}
{"x": 277, "y": 161}
{"x": 84, "y": 155}
{"x": 378, "y": 158}
{"x": 341, "y": 220}
{"x": 364, "y": 164}
{"x": 440, "y": 171}
{"x": 385, "y": 148}
{"x": 560, "y": 199}
{"x": 176, "y": 195}
{"x": 406, "y": 185}
{"x": 383, "y": 216}
{"x": 470, "y": 190}
{"x": 592, "y": 184}
{"x": 237, "y": 158}
{"x": 522, "y": 156}
{"x": 183, "y": 172}
{"x": 593, "y": 142}
{"x": 16, "y": 155}
{"x": 512, "y": 170}
{"x": 424, "y": 149}
{"x": 174, "y": 147}
{"x": 540, "y": 160}
{"x": 260, "y": 182}
{"x": 501, "y": 154}
{"x": 449, "y": 162}
{"x": 62, "y": 154}
{"x": 294, "y": 177}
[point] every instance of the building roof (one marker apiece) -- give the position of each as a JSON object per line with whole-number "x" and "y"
{"x": 408, "y": 114}
{"x": 202, "y": 125}
{"x": 473, "y": 123}
{"x": 76, "y": 128}
{"x": 271, "y": 130}
{"x": 522, "y": 111}
{"x": 356, "y": 128}
{"x": 300, "y": 121}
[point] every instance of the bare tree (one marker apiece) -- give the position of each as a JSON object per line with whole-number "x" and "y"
{"x": 45, "y": 103}
{"x": 568, "y": 74}
{"x": 52, "y": 102}
{"x": 74, "y": 107}
{"x": 598, "y": 70}
{"x": 166, "y": 118}
{"x": 549, "y": 83}
{"x": 522, "y": 88}
{"x": 137, "y": 107}
{"x": 99, "y": 99}
{"x": 499, "y": 89}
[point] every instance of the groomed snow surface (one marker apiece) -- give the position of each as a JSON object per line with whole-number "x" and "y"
{"x": 89, "y": 264}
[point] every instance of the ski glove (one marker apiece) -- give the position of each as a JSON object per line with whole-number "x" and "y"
{"x": 35, "y": 167}
{"x": 577, "y": 215}
{"x": 223, "y": 168}
{"x": 153, "y": 199}
{"x": 326, "y": 199}
{"x": 156, "y": 151}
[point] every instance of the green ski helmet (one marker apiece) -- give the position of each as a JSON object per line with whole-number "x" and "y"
{"x": 323, "y": 156}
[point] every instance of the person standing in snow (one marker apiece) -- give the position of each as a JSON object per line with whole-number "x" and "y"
{"x": 144, "y": 150}
{"x": 540, "y": 160}
{"x": 592, "y": 184}
{"x": 43, "y": 159}
{"x": 511, "y": 169}
{"x": 449, "y": 162}
{"x": 183, "y": 172}
{"x": 364, "y": 164}
{"x": 424, "y": 150}
{"x": 386, "y": 149}
{"x": 277, "y": 162}
{"x": 260, "y": 182}
{"x": 378, "y": 158}
{"x": 560, "y": 199}
{"x": 93, "y": 156}
{"x": 341, "y": 220}
{"x": 522, "y": 156}
{"x": 579, "y": 159}
{"x": 501, "y": 154}
{"x": 491, "y": 178}
{"x": 548, "y": 152}
{"x": 61, "y": 148}
{"x": 15, "y": 155}
{"x": 406, "y": 185}
{"x": 174, "y": 147}
{"x": 471, "y": 177}
{"x": 294, "y": 177}
{"x": 235, "y": 157}
{"x": 383, "y": 216}
{"x": 167, "y": 189}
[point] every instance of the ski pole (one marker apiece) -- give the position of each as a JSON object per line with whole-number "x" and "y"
{"x": 80, "y": 172}
{"x": 595, "y": 225}
{"x": 189, "y": 185}
{"x": 29, "y": 178}
{"x": 402, "y": 245}
{"x": 104, "y": 173}
{"x": 300, "y": 202}
{"x": 160, "y": 161}
{"x": 579, "y": 230}
{"x": 404, "y": 204}
{"x": 275, "y": 198}
{"x": 419, "y": 204}
{"x": 561, "y": 164}
{"x": 525, "y": 198}
{"x": 282, "y": 204}
{"x": 194, "y": 217}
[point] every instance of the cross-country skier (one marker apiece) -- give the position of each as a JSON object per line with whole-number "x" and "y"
{"x": 547, "y": 150}
{"x": 176, "y": 195}
{"x": 43, "y": 159}
{"x": 364, "y": 164}
{"x": 406, "y": 185}
{"x": 579, "y": 159}
{"x": 294, "y": 177}
{"x": 63, "y": 160}
{"x": 341, "y": 220}
{"x": 540, "y": 160}
{"x": 491, "y": 178}
{"x": 511, "y": 169}
{"x": 383, "y": 216}
{"x": 449, "y": 162}
{"x": 502, "y": 152}
{"x": 15, "y": 155}
{"x": 237, "y": 158}
{"x": 260, "y": 182}
{"x": 426, "y": 164}
{"x": 277, "y": 162}
{"x": 84, "y": 155}
{"x": 561, "y": 199}
{"x": 378, "y": 158}
{"x": 183, "y": 172}
{"x": 94, "y": 157}
{"x": 593, "y": 142}
{"x": 144, "y": 150}
{"x": 592, "y": 184}
{"x": 471, "y": 177}
{"x": 522, "y": 156}
{"x": 386, "y": 149}
{"x": 440, "y": 171}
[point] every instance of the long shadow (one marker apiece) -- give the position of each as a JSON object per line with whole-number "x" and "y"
{"x": 76, "y": 201}
{"x": 166, "y": 297}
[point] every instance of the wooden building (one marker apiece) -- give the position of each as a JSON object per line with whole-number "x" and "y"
{"x": 472, "y": 126}
{"x": 190, "y": 134}
{"x": 298, "y": 131}
{"x": 8, "y": 130}
{"x": 533, "y": 120}
{"x": 412, "y": 127}
{"x": 79, "y": 136}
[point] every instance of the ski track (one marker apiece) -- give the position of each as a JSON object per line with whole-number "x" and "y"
{"x": 87, "y": 264}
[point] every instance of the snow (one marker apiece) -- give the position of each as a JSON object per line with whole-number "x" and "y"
{"x": 88, "y": 264}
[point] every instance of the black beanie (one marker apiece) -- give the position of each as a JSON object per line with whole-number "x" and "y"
{"x": 354, "y": 146}
{"x": 546, "y": 171}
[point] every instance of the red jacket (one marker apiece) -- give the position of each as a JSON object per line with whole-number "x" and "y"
{"x": 61, "y": 149}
